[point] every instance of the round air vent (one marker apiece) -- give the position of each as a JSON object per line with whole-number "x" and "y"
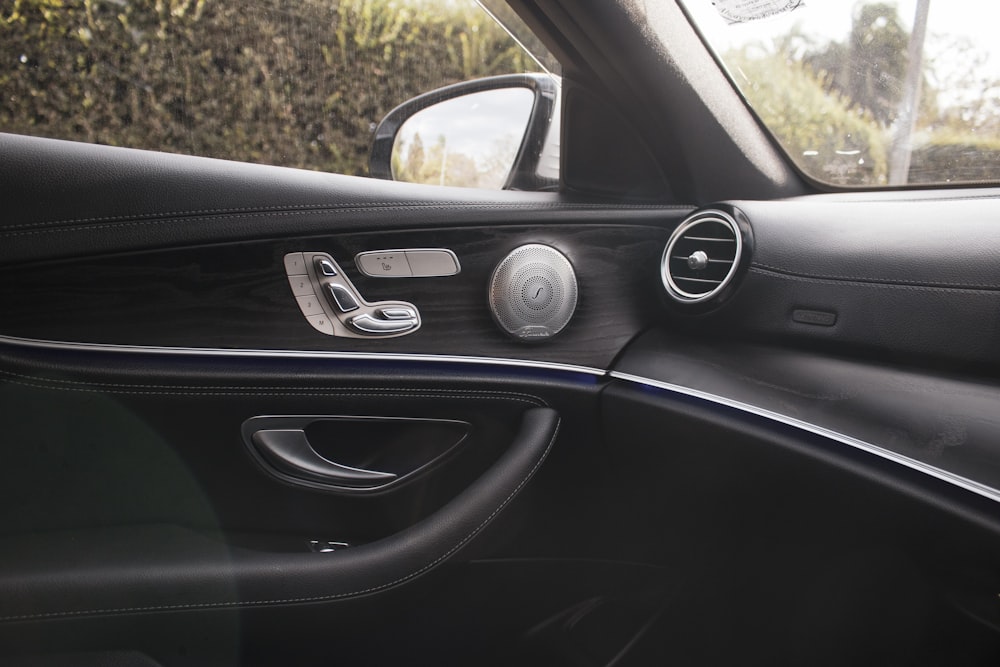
{"x": 533, "y": 292}
{"x": 702, "y": 257}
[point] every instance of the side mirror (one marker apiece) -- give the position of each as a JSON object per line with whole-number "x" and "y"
{"x": 501, "y": 132}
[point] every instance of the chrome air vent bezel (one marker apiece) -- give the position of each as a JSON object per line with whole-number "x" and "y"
{"x": 678, "y": 293}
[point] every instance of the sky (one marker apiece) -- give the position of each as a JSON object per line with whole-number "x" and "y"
{"x": 976, "y": 20}
{"x": 475, "y": 125}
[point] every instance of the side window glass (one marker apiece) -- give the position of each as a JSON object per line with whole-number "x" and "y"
{"x": 298, "y": 83}
{"x": 869, "y": 92}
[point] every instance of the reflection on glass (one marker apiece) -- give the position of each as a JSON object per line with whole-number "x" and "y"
{"x": 872, "y": 92}
{"x": 469, "y": 141}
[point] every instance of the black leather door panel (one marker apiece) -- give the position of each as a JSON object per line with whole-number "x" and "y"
{"x": 942, "y": 425}
{"x": 130, "y": 570}
{"x": 148, "y": 317}
{"x": 71, "y": 199}
{"x": 158, "y": 439}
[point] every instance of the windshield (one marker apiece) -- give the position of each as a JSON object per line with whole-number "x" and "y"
{"x": 867, "y": 94}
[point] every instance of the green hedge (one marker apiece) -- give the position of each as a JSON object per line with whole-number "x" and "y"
{"x": 956, "y": 161}
{"x": 836, "y": 141}
{"x": 292, "y": 82}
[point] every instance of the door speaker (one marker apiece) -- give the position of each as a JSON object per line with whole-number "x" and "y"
{"x": 533, "y": 292}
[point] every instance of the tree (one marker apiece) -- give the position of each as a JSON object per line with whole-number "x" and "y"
{"x": 414, "y": 158}
{"x": 870, "y": 68}
{"x": 821, "y": 129}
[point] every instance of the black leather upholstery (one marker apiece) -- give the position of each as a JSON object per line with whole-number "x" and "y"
{"x": 126, "y": 570}
{"x": 70, "y": 199}
{"x": 932, "y": 418}
{"x": 909, "y": 275}
{"x": 948, "y": 241}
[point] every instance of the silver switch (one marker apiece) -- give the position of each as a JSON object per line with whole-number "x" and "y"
{"x": 324, "y": 267}
{"x": 432, "y": 262}
{"x": 371, "y": 325}
{"x": 295, "y": 264}
{"x": 342, "y": 298}
{"x": 300, "y": 285}
{"x": 408, "y": 262}
{"x": 397, "y": 313}
{"x": 384, "y": 264}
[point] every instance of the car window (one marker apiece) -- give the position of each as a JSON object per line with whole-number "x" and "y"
{"x": 299, "y": 83}
{"x": 868, "y": 93}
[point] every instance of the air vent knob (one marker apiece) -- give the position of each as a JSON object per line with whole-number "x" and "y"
{"x": 698, "y": 260}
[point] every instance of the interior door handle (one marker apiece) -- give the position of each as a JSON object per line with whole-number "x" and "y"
{"x": 171, "y": 568}
{"x": 289, "y": 450}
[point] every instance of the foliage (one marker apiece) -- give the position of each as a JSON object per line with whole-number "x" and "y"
{"x": 833, "y": 105}
{"x": 956, "y": 158}
{"x": 443, "y": 165}
{"x": 870, "y": 68}
{"x": 293, "y": 82}
{"x": 822, "y": 131}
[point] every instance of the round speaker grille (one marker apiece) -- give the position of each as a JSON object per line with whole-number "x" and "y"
{"x": 533, "y": 292}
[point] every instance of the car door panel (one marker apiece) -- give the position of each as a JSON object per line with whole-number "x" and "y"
{"x": 142, "y": 499}
{"x": 236, "y": 295}
{"x": 153, "y": 506}
{"x": 148, "y": 569}
{"x": 72, "y": 199}
{"x": 812, "y": 460}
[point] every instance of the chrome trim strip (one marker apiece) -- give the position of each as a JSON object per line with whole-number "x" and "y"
{"x": 913, "y": 464}
{"x": 943, "y": 475}
{"x": 300, "y": 354}
{"x": 667, "y": 278}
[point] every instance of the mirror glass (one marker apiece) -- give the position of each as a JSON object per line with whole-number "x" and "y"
{"x": 469, "y": 141}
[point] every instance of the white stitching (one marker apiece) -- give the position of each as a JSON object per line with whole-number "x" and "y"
{"x": 873, "y": 280}
{"x": 317, "y": 598}
{"x": 367, "y": 393}
{"x": 908, "y": 200}
{"x": 990, "y": 291}
{"x": 36, "y": 382}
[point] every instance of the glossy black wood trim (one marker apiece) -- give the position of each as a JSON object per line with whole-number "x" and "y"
{"x": 236, "y": 295}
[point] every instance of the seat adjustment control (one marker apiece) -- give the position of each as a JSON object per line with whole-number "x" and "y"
{"x": 343, "y": 312}
{"x": 342, "y": 298}
{"x": 369, "y": 324}
{"x": 397, "y": 313}
{"x": 408, "y": 263}
{"x": 324, "y": 267}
